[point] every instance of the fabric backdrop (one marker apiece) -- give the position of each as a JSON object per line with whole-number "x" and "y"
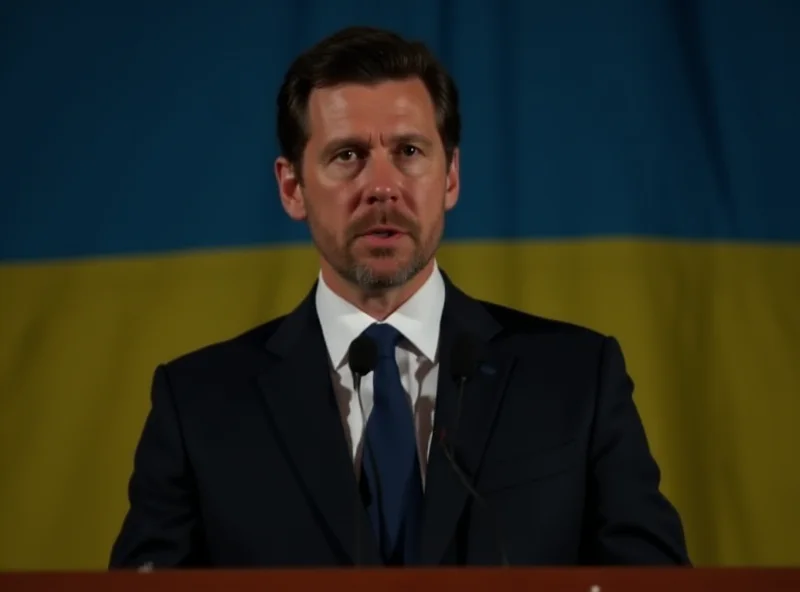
{"x": 627, "y": 165}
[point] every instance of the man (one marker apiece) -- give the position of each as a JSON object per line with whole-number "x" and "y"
{"x": 269, "y": 450}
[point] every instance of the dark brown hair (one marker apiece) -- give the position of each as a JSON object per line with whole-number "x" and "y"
{"x": 362, "y": 55}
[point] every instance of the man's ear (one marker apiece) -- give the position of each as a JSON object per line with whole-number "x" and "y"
{"x": 290, "y": 189}
{"x": 453, "y": 182}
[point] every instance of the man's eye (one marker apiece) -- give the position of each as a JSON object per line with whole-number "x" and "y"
{"x": 409, "y": 150}
{"x": 347, "y": 155}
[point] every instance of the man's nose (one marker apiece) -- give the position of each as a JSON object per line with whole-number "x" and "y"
{"x": 383, "y": 182}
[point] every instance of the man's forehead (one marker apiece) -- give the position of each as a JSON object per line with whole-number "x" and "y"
{"x": 385, "y": 100}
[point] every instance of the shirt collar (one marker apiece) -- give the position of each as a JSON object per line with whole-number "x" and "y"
{"x": 418, "y": 319}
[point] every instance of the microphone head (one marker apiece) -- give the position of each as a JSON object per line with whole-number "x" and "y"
{"x": 362, "y": 355}
{"x": 464, "y": 357}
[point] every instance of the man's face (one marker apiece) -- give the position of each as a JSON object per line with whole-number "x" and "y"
{"x": 376, "y": 184}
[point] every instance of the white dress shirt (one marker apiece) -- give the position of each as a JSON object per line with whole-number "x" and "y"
{"x": 418, "y": 321}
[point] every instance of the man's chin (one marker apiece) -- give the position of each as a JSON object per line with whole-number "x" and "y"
{"x": 384, "y": 272}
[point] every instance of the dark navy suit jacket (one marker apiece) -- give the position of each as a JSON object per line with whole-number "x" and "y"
{"x": 243, "y": 460}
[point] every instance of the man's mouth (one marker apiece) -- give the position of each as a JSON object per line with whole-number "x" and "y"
{"x": 383, "y": 232}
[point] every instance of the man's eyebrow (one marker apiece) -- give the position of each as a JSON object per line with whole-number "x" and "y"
{"x": 411, "y": 138}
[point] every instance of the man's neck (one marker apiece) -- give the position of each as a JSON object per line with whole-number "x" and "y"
{"x": 378, "y": 304}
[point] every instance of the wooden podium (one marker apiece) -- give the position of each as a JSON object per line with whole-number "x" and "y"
{"x": 396, "y": 580}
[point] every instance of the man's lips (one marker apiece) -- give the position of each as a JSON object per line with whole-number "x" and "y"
{"x": 383, "y": 232}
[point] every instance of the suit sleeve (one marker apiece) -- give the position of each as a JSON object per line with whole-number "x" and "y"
{"x": 161, "y": 528}
{"x": 630, "y": 520}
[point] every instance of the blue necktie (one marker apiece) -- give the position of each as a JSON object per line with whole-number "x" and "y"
{"x": 390, "y": 462}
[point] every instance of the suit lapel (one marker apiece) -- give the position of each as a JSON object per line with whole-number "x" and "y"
{"x": 298, "y": 390}
{"x": 446, "y": 497}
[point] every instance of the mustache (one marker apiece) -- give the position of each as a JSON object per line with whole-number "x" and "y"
{"x": 382, "y": 217}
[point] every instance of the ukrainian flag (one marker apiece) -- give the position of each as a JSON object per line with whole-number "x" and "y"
{"x": 627, "y": 168}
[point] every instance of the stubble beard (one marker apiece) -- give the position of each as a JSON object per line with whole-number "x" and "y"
{"x": 363, "y": 275}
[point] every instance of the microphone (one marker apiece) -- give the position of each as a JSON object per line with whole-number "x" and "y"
{"x": 463, "y": 364}
{"x": 362, "y": 357}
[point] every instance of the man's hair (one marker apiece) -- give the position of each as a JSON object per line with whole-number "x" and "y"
{"x": 362, "y": 55}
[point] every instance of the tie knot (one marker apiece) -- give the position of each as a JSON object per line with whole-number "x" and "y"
{"x": 385, "y": 337}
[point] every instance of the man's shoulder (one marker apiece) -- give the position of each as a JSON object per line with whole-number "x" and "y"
{"x": 556, "y": 348}
{"x": 518, "y": 323}
{"x": 553, "y": 342}
{"x": 244, "y": 352}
